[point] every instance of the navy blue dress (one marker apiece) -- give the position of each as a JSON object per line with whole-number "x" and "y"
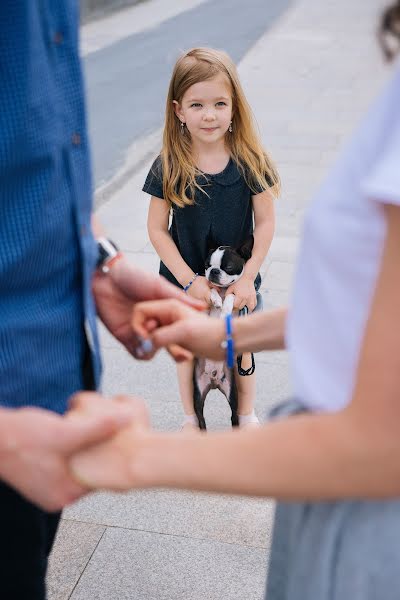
{"x": 221, "y": 217}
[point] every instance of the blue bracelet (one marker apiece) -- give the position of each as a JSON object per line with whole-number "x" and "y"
{"x": 187, "y": 286}
{"x": 230, "y": 352}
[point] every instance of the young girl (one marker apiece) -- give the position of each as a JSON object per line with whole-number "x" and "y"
{"x": 215, "y": 180}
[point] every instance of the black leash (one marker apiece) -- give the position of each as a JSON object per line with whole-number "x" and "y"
{"x": 245, "y": 372}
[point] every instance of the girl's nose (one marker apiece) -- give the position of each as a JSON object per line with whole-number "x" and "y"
{"x": 209, "y": 115}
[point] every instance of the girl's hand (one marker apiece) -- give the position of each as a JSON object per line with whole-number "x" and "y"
{"x": 179, "y": 324}
{"x": 245, "y": 293}
{"x": 200, "y": 289}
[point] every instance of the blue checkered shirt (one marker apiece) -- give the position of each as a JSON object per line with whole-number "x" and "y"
{"x": 47, "y": 251}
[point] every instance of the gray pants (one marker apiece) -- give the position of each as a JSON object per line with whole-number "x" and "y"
{"x": 334, "y": 550}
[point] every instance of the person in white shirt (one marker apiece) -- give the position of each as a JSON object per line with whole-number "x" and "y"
{"x": 331, "y": 455}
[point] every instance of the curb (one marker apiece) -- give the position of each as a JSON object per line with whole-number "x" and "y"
{"x": 138, "y": 155}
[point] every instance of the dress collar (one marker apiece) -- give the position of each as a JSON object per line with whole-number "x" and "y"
{"x": 228, "y": 176}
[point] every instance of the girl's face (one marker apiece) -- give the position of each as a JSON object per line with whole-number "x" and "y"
{"x": 206, "y": 109}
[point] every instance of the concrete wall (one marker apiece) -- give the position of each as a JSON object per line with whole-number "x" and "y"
{"x": 91, "y": 9}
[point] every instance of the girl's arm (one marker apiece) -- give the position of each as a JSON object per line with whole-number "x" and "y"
{"x": 264, "y": 226}
{"x": 157, "y": 227}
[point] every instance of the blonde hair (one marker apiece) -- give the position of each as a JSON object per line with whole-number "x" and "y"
{"x": 179, "y": 170}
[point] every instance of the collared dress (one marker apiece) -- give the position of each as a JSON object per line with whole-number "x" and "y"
{"x": 47, "y": 251}
{"x": 221, "y": 215}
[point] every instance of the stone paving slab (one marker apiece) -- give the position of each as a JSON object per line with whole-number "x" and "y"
{"x": 133, "y": 565}
{"x": 74, "y": 546}
{"x": 125, "y": 217}
{"x": 230, "y": 519}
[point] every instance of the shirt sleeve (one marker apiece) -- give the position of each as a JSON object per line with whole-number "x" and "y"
{"x": 256, "y": 188}
{"x": 154, "y": 180}
{"x": 253, "y": 184}
{"x": 383, "y": 182}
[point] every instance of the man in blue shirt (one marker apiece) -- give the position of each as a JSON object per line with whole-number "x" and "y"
{"x": 48, "y": 340}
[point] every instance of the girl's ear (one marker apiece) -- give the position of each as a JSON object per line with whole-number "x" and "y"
{"x": 178, "y": 110}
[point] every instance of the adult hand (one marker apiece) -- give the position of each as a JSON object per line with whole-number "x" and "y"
{"x": 244, "y": 292}
{"x": 117, "y": 292}
{"x": 35, "y": 446}
{"x": 179, "y": 324}
{"x": 108, "y": 464}
{"x": 200, "y": 289}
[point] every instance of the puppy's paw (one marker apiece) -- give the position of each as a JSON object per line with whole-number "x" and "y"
{"x": 216, "y": 299}
{"x": 218, "y": 302}
{"x": 227, "y": 306}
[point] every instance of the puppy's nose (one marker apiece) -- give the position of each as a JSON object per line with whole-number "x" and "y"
{"x": 214, "y": 272}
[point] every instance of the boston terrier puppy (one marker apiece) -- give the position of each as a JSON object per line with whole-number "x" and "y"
{"x": 224, "y": 266}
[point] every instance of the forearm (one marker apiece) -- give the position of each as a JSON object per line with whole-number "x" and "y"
{"x": 316, "y": 457}
{"x": 170, "y": 256}
{"x": 261, "y": 331}
{"x": 263, "y": 235}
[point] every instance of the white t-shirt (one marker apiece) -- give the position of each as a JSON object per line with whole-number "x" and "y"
{"x": 343, "y": 237}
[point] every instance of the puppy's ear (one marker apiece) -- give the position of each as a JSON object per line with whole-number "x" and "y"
{"x": 211, "y": 245}
{"x": 246, "y": 248}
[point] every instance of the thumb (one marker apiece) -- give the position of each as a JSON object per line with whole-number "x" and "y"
{"x": 82, "y": 431}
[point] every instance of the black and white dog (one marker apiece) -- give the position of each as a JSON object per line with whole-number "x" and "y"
{"x": 224, "y": 266}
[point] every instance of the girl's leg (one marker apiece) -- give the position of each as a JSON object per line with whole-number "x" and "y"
{"x": 185, "y": 381}
{"x": 246, "y": 387}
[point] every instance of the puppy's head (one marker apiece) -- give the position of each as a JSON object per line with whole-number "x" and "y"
{"x": 224, "y": 265}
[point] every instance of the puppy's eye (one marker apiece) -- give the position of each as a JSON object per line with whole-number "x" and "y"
{"x": 229, "y": 269}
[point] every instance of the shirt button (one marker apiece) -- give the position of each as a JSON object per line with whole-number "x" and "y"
{"x": 58, "y": 38}
{"x": 76, "y": 139}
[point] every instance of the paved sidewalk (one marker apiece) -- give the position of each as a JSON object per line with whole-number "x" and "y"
{"x": 308, "y": 79}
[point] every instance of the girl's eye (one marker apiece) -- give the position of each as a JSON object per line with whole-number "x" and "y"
{"x": 195, "y": 105}
{"x": 221, "y": 103}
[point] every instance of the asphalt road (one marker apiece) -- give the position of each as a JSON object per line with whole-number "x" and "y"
{"x": 127, "y": 82}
